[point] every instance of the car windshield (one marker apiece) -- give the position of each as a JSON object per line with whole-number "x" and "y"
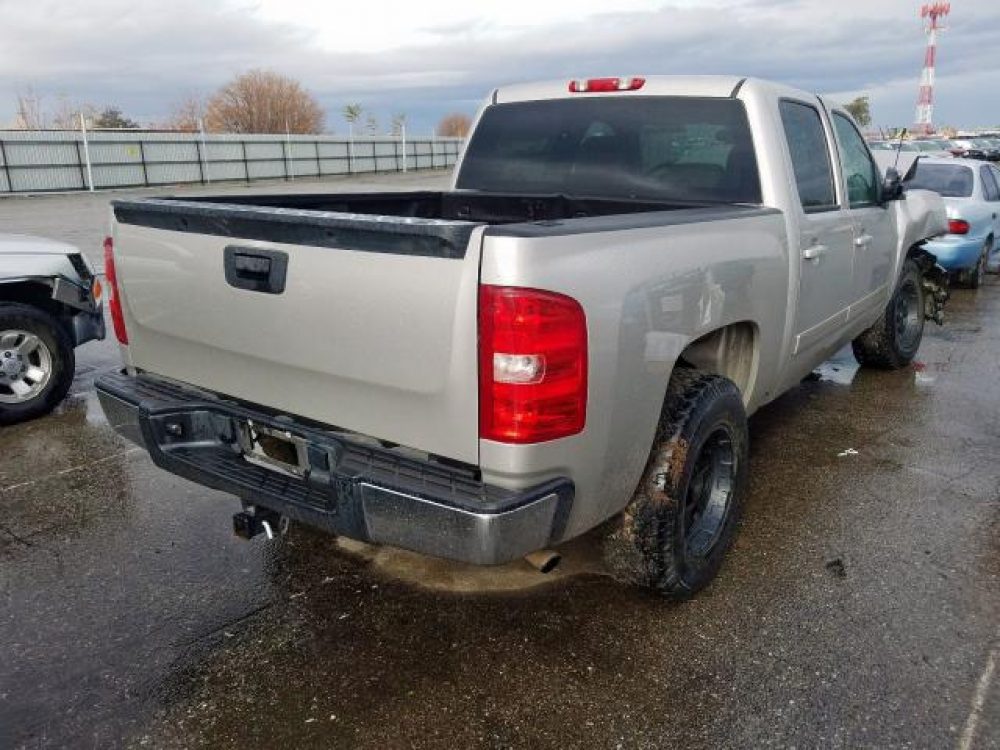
{"x": 653, "y": 147}
{"x": 928, "y": 146}
{"x": 948, "y": 180}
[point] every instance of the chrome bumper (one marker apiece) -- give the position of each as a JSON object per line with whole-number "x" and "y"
{"x": 362, "y": 492}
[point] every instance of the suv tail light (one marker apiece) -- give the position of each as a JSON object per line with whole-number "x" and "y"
{"x": 532, "y": 365}
{"x": 114, "y": 299}
{"x": 958, "y": 226}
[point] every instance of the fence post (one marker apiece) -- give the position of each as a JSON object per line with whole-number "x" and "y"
{"x": 142, "y": 156}
{"x": 287, "y": 148}
{"x": 350, "y": 148}
{"x": 246, "y": 164}
{"x": 319, "y": 164}
{"x": 86, "y": 153}
{"x": 404, "y": 147}
{"x": 6, "y": 167}
{"x": 202, "y": 148}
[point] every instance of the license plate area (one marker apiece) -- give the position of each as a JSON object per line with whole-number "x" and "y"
{"x": 270, "y": 448}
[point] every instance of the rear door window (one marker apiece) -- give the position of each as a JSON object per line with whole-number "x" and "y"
{"x": 991, "y": 191}
{"x": 861, "y": 174}
{"x": 810, "y": 154}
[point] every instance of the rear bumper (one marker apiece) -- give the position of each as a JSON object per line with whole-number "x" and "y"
{"x": 350, "y": 488}
{"x": 955, "y": 253}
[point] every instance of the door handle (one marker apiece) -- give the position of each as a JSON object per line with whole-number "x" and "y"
{"x": 863, "y": 240}
{"x": 813, "y": 252}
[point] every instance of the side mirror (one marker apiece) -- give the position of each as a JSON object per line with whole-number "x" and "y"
{"x": 892, "y": 185}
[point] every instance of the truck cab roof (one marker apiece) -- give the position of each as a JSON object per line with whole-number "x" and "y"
{"x": 712, "y": 86}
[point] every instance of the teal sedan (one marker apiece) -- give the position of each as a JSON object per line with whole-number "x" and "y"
{"x": 971, "y": 192}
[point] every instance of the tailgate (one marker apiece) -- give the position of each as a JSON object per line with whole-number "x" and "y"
{"x": 366, "y": 323}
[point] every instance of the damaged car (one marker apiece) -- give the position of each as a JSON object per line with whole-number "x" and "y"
{"x": 50, "y": 303}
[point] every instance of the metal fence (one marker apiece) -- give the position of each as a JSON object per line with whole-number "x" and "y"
{"x": 50, "y": 160}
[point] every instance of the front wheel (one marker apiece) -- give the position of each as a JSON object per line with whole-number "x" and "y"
{"x": 36, "y": 363}
{"x": 892, "y": 342}
{"x": 673, "y": 534}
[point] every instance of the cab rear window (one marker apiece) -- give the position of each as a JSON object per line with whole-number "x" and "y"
{"x": 662, "y": 148}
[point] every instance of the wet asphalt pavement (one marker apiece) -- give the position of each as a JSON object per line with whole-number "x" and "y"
{"x": 860, "y": 606}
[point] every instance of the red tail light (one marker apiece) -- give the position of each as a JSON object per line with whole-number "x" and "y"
{"x": 532, "y": 365}
{"x": 591, "y": 85}
{"x": 114, "y": 300}
{"x": 958, "y": 226}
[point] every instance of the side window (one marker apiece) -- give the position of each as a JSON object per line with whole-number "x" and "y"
{"x": 991, "y": 191}
{"x": 860, "y": 171}
{"x": 996, "y": 178}
{"x": 810, "y": 156}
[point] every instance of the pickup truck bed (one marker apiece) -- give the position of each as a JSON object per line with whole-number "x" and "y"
{"x": 377, "y": 302}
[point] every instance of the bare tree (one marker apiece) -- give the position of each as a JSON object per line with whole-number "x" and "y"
{"x": 67, "y": 114}
{"x": 397, "y": 124}
{"x": 262, "y": 101}
{"x": 30, "y": 115}
{"x": 455, "y": 125}
{"x": 186, "y": 114}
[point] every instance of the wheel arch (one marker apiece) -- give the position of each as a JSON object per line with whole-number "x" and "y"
{"x": 38, "y": 294}
{"x": 732, "y": 351}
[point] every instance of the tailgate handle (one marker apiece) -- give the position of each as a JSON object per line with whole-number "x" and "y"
{"x": 255, "y": 270}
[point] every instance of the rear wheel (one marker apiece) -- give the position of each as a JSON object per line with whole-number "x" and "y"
{"x": 973, "y": 277}
{"x": 675, "y": 531}
{"x": 36, "y": 363}
{"x": 892, "y": 342}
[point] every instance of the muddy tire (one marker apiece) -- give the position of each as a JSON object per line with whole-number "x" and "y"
{"x": 36, "y": 363}
{"x": 892, "y": 342}
{"x": 973, "y": 278}
{"x": 674, "y": 533}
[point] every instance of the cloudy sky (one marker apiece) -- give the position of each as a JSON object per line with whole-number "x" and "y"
{"x": 431, "y": 57}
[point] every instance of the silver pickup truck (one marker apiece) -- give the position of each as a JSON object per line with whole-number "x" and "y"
{"x": 624, "y": 269}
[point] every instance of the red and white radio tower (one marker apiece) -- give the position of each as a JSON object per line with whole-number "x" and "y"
{"x": 925, "y": 101}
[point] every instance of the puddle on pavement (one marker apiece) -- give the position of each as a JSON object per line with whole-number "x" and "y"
{"x": 579, "y": 557}
{"x": 840, "y": 372}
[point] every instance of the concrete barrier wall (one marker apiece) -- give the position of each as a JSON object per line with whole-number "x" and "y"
{"x": 56, "y": 160}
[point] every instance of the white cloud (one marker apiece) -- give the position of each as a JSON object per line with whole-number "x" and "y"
{"x": 381, "y": 26}
{"x": 431, "y": 57}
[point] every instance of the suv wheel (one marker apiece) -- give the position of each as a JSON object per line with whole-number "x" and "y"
{"x": 36, "y": 363}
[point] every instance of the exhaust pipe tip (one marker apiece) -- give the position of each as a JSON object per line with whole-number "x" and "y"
{"x": 543, "y": 560}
